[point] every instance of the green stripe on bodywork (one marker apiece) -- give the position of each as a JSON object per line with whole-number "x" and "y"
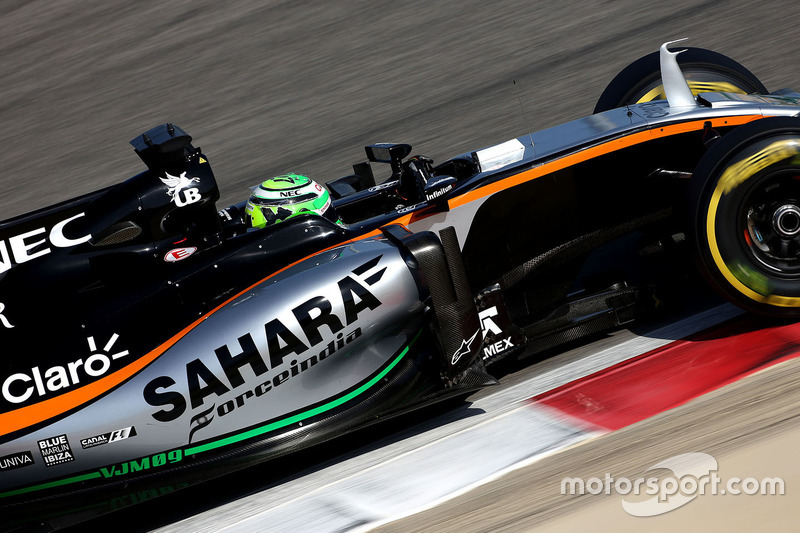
{"x": 241, "y": 436}
{"x": 304, "y": 415}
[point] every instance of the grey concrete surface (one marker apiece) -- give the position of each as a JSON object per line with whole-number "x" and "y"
{"x": 272, "y": 86}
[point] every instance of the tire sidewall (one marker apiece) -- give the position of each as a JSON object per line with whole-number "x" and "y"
{"x": 647, "y": 70}
{"x": 716, "y": 204}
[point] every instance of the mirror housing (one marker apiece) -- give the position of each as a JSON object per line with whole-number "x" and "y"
{"x": 387, "y": 152}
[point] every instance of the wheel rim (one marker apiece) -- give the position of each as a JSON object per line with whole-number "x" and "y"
{"x": 697, "y": 87}
{"x": 699, "y": 81}
{"x": 770, "y": 225}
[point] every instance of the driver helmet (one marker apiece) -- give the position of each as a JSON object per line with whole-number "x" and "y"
{"x": 282, "y": 197}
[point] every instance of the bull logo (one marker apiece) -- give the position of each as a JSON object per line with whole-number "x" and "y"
{"x": 177, "y": 184}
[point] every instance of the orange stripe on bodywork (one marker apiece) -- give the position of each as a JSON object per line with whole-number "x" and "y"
{"x": 43, "y": 411}
{"x": 40, "y": 412}
{"x": 596, "y": 151}
{"x": 574, "y": 159}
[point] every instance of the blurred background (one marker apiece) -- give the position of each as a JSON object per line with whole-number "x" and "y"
{"x": 276, "y": 86}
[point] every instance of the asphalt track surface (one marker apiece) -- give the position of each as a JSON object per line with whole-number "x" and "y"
{"x": 277, "y": 86}
{"x": 267, "y": 87}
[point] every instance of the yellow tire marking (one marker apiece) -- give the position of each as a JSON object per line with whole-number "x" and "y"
{"x": 734, "y": 176}
{"x": 697, "y": 87}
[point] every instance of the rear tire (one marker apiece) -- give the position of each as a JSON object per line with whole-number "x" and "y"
{"x": 704, "y": 70}
{"x": 745, "y": 216}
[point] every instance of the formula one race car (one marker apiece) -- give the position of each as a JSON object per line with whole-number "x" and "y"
{"x": 182, "y": 343}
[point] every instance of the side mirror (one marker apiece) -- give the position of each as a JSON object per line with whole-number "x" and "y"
{"x": 387, "y": 152}
{"x": 437, "y": 187}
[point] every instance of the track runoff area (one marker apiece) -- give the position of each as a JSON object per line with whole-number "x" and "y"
{"x": 557, "y": 405}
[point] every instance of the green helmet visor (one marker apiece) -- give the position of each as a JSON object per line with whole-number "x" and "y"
{"x": 284, "y": 197}
{"x": 255, "y": 200}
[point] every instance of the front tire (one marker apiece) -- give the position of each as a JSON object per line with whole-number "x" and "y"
{"x": 704, "y": 70}
{"x": 745, "y": 216}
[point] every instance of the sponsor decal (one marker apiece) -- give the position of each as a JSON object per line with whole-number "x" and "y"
{"x": 36, "y": 243}
{"x": 289, "y": 194}
{"x": 325, "y": 207}
{"x": 179, "y": 254}
{"x": 3, "y": 319}
{"x": 410, "y": 208}
{"x": 20, "y": 387}
{"x": 441, "y": 192}
{"x": 383, "y": 186}
{"x": 286, "y": 354}
{"x": 464, "y": 349}
{"x": 178, "y": 189}
{"x": 490, "y": 327}
{"x": 142, "y": 464}
{"x": 56, "y": 451}
{"x": 487, "y": 324}
{"x": 225, "y": 215}
{"x": 201, "y": 420}
{"x": 500, "y": 335}
{"x": 296, "y": 368}
{"x": 498, "y": 347}
{"x": 15, "y": 460}
{"x": 106, "y": 438}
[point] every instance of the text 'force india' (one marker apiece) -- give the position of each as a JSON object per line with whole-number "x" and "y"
{"x": 190, "y": 344}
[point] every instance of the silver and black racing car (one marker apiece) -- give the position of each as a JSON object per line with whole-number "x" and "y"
{"x": 151, "y": 340}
